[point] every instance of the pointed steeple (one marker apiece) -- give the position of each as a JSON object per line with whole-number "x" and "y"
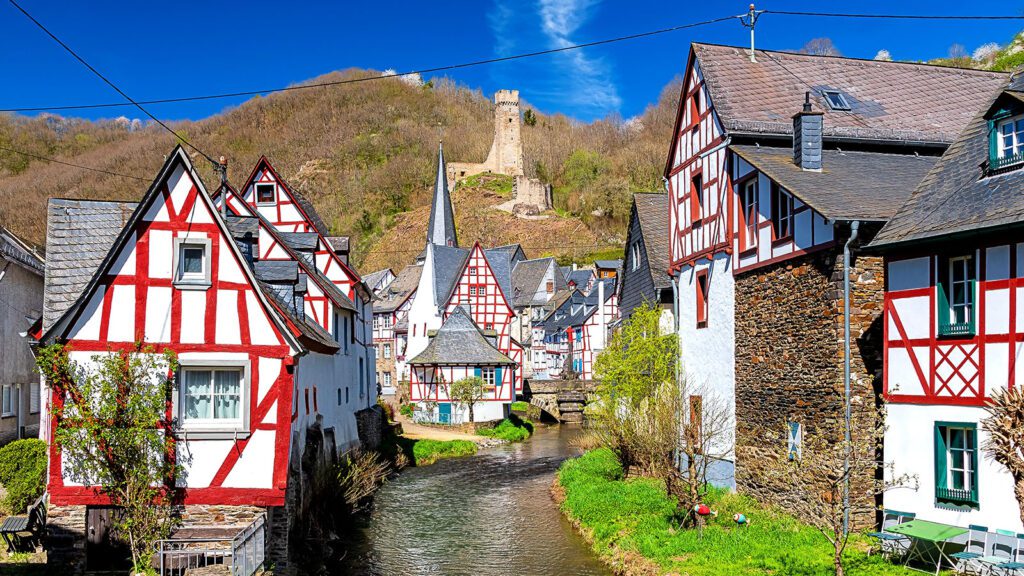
{"x": 441, "y": 229}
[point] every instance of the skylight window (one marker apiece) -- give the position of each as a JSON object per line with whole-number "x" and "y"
{"x": 836, "y": 100}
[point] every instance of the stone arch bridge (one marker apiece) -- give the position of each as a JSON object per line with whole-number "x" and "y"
{"x": 563, "y": 400}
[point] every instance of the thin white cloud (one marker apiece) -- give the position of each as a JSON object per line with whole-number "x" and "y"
{"x": 499, "y": 20}
{"x": 586, "y": 82}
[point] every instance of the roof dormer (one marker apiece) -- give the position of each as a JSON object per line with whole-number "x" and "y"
{"x": 1006, "y": 132}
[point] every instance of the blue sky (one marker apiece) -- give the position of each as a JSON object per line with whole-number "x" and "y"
{"x": 183, "y": 48}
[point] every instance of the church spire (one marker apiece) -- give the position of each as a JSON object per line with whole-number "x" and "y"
{"x": 441, "y": 229}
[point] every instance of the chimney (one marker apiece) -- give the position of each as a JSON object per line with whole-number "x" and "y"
{"x": 807, "y": 127}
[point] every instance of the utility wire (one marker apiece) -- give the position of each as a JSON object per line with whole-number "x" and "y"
{"x": 358, "y": 80}
{"x": 892, "y": 16}
{"x": 109, "y": 83}
{"x": 48, "y": 159}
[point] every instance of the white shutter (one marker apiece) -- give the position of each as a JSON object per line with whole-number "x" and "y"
{"x": 34, "y": 398}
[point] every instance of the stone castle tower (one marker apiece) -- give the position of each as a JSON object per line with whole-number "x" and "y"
{"x": 506, "y": 155}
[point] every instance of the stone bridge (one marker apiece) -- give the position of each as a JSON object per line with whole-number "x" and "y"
{"x": 563, "y": 400}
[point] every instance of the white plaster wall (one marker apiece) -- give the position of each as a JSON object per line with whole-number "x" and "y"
{"x": 330, "y": 375}
{"x": 909, "y": 445}
{"x": 708, "y": 354}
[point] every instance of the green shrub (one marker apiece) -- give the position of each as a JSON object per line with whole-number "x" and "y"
{"x": 22, "y": 473}
{"x": 406, "y": 410}
{"x": 635, "y": 516}
{"x": 512, "y": 429}
{"x": 389, "y": 410}
{"x": 520, "y": 406}
{"x": 429, "y": 451}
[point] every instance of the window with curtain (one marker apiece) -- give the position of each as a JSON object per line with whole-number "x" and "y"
{"x": 956, "y": 464}
{"x": 212, "y": 397}
{"x": 748, "y": 193}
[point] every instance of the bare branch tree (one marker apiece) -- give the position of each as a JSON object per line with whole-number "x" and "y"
{"x": 820, "y": 47}
{"x": 706, "y": 438}
{"x": 1005, "y": 428}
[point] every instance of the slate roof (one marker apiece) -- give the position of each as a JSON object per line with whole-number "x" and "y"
{"x": 338, "y": 243}
{"x": 526, "y": 281}
{"x": 309, "y": 332}
{"x": 15, "y": 249}
{"x": 441, "y": 227}
{"x": 608, "y": 264}
{"x": 242, "y": 225}
{"x": 302, "y": 241}
{"x": 399, "y": 290}
{"x": 276, "y": 270}
{"x": 79, "y": 233}
{"x": 500, "y": 260}
{"x": 850, "y": 186}
{"x": 955, "y": 198}
{"x": 581, "y": 277}
{"x": 889, "y": 100}
{"x": 373, "y": 278}
{"x": 448, "y": 263}
{"x": 460, "y": 343}
{"x": 652, "y": 212}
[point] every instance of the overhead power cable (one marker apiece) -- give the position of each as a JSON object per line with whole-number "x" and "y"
{"x": 54, "y": 160}
{"x": 111, "y": 84}
{"x": 894, "y": 16}
{"x": 369, "y": 78}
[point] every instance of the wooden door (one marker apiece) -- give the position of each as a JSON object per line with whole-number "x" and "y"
{"x": 102, "y": 551}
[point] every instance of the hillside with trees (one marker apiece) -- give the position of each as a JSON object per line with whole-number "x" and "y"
{"x": 365, "y": 155}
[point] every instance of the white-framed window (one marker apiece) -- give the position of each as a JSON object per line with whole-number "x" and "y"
{"x": 212, "y": 398}
{"x": 33, "y": 407}
{"x": 7, "y": 404}
{"x": 487, "y": 374}
{"x": 749, "y": 201}
{"x": 266, "y": 194}
{"x": 960, "y": 447}
{"x": 472, "y": 270}
{"x": 472, "y": 290}
{"x": 387, "y": 379}
{"x": 387, "y": 350}
{"x": 961, "y": 294}
{"x": 636, "y": 255}
{"x": 1010, "y": 137}
{"x": 782, "y": 213}
{"x": 191, "y": 262}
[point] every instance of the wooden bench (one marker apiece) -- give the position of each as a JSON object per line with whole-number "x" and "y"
{"x": 27, "y": 529}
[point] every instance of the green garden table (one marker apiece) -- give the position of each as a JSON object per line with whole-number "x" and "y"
{"x": 934, "y": 534}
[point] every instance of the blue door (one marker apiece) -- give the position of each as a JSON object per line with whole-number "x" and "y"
{"x": 444, "y": 413}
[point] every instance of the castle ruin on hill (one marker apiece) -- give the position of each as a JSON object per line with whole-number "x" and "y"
{"x": 529, "y": 195}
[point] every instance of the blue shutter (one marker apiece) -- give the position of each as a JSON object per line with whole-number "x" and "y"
{"x": 476, "y": 372}
{"x": 497, "y": 381}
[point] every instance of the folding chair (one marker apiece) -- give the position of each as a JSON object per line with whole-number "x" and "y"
{"x": 890, "y": 544}
{"x": 1015, "y": 565}
{"x": 967, "y": 559}
{"x": 1001, "y": 548}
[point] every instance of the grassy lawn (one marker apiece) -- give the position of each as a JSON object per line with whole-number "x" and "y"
{"x": 427, "y": 452}
{"x": 512, "y": 429}
{"x": 630, "y": 520}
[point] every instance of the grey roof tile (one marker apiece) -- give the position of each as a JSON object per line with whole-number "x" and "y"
{"x": 276, "y": 270}
{"x": 79, "y": 234}
{"x": 441, "y": 227}
{"x": 850, "y": 186}
{"x": 889, "y": 100}
{"x": 392, "y": 297}
{"x": 448, "y": 264}
{"x": 15, "y": 249}
{"x": 652, "y": 211}
{"x": 460, "y": 343}
{"x": 301, "y": 241}
{"x": 956, "y": 197}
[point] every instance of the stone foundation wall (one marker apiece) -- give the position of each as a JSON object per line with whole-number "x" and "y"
{"x": 789, "y": 360}
{"x": 370, "y": 424}
{"x": 65, "y": 538}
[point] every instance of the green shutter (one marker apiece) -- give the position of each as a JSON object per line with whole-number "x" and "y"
{"x": 942, "y": 312}
{"x": 476, "y": 371}
{"x": 971, "y": 287}
{"x": 497, "y": 379}
{"x": 993, "y": 140}
{"x": 974, "y": 466}
{"x": 940, "y": 457}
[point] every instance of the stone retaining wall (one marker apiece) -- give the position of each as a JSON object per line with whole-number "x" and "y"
{"x": 789, "y": 360}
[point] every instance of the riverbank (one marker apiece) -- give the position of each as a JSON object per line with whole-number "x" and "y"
{"x": 422, "y": 445}
{"x": 628, "y": 523}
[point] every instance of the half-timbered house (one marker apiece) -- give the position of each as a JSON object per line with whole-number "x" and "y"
{"x": 953, "y": 320}
{"x": 644, "y": 278}
{"x": 775, "y": 159}
{"x": 534, "y": 284}
{"x": 21, "y": 305}
{"x": 390, "y": 329}
{"x": 267, "y": 375}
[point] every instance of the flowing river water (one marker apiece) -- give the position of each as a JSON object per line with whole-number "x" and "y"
{"x": 487, "y": 515}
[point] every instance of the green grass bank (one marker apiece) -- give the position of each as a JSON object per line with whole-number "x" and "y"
{"x": 628, "y": 523}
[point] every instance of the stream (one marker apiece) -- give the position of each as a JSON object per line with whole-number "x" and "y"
{"x": 489, "y": 514}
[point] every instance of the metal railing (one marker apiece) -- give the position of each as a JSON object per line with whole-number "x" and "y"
{"x": 245, "y": 553}
{"x": 432, "y": 417}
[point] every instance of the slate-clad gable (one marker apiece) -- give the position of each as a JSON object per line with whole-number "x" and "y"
{"x": 642, "y": 281}
{"x": 441, "y": 227}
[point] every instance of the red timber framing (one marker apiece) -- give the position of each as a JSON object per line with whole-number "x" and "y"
{"x": 698, "y": 219}
{"x": 286, "y": 214}
{"x": 924, "y": 367}
{"x": 133, "y": 297}
{"x": 489, "y": 306}
{"x": 318, "y": 305}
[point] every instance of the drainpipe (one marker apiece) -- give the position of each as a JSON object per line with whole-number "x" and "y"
{"x": 675, "y": 327}
{"x": 854, "y": 226}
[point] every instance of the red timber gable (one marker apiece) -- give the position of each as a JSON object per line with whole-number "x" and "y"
{"x": 222, "y": 320}
{"x": 319, "y": 300}
{"x": 489, "y": 307}
{"x": 699, "y": 187}
{"x": 286, "y": 213}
